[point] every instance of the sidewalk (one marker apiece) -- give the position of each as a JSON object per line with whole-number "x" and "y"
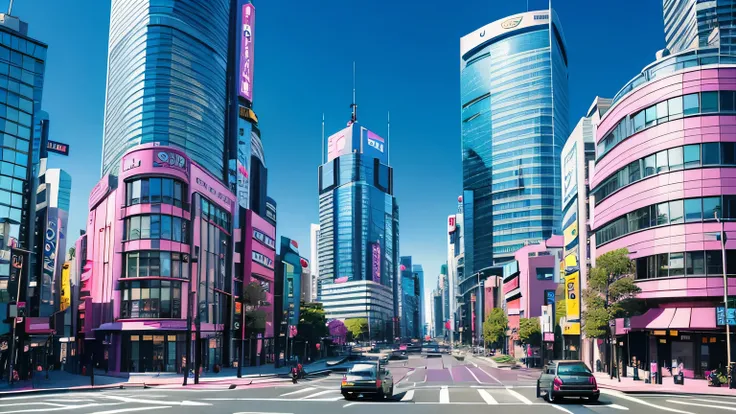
{"x": 60, "y": 381}
{"x": 629, "y": 386}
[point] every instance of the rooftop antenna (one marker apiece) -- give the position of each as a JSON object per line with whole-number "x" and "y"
{"x": 388, "y": 137}
{"x": 354, "y": 106}
{"x": 10, "y": 8}
{"x": 323, "y": 137}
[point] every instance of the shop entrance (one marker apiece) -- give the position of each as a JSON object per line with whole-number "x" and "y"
{"x": 153, "y": 353}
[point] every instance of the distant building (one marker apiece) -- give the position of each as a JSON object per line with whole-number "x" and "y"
{"x": 314, "y": 236}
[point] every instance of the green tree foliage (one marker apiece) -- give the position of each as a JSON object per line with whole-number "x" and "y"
{"x": 312, "y": 323}
{"x": 254, "y": 298}
{"x": 357, "y": 326}
{"x": 530, "y": 332}
{"x": 611, "y": 279}
{"x": 495, "y": 326}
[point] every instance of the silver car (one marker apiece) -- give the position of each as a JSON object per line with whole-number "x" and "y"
{"x": 367, "y": 379}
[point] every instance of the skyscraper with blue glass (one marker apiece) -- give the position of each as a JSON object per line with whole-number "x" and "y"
{"x": 167, "y": 80}
{"x": 358, "y": 246}
{"x": 513, "y": 83}
{"x": 696, "y": 23}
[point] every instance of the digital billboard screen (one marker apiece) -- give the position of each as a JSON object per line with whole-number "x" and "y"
{"x": 247, "y": 37}
{"x": 340, "y": 143}
{"x": 374, "y": 145}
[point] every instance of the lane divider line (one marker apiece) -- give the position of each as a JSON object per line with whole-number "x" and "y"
{"x": 408, "y": 396}
{"x": 518, "y": 396}
{"x": 444, "y": 395}
{"x": 298, "y": 391}
{"x": 487, "y": 397}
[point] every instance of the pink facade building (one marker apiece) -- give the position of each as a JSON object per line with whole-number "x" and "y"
{"x": 159, "y": 245}
{"x": 526, "y": 281}
{"x": 665, "y": 166}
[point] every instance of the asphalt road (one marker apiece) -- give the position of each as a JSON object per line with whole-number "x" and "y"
{"x": 436, "y": 385}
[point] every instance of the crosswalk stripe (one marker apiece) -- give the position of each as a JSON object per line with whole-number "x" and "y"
{"x": 487, "y": 397}
{"x": 408, "y": 396}
{"x": 317, "y": 394}
{"x": 702, "y": 405}
{"x": 298, "y": 391}
{"x": 714, "y": 401}
{"x": 444, "y": 395}
{"x": 519, "y": 396}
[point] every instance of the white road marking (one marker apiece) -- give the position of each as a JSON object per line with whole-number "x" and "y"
{"x": 66, "y": 407}
{"x": 471, "y": 373}
{"x": 642, "y": 402}
{"x": 444, "y": 395}
{"x": 613, "y": 406}
{"x": 273, "y": 399}
{"x": 487, "y": 397}
{"x": 298, "y": 391}
{"x": 518, "y": 396}
{"x": 25, "y": 404}
{"x": 127, "y": 410}
{"x": 155, "y": 402}
{"x": 489, "y": 374}
{"x": 702, "y": 405}
{"x": 561, "y": 408}
{"x": 713, "y": 401}
{"x": 408, "y": 396}
{"x": 258, "y": 412}
{"x": 317, "y": 394}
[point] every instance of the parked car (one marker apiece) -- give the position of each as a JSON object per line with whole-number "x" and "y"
{"x": 561, "y": 379}
{"x": 367, "y": 379}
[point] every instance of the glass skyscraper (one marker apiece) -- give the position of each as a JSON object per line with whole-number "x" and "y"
{"x": 22, "y": 67}
{"x": 167, "y": 79}
{"x": 358, "y": 218}
{"x": 513, "y": 82}
{"x": 696, "y": 23}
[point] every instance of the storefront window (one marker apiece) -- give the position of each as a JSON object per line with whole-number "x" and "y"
{"x": 157, "y": 226}
{"x": 151, "y": 299}
{"x": 156, "y": 190}
{"x": 147, "y": 263}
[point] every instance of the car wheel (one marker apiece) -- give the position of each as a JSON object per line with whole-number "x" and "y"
{"x": 539, "y": 393}
{"x": 348, "y": 397}
{"x": 594, "y": 398}
{"x": 390, "y": 392}
{"x": 551, "y": 397}
{"x": 380, "y": 394}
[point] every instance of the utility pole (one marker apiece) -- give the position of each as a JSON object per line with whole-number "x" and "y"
{"x": 725, "y": 296}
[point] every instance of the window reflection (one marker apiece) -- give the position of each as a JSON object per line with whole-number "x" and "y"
{"x": 156, "y": 190}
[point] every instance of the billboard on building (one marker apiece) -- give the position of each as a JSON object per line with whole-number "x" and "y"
{"x": 247, "y": 38}
{"x": 571, "y": 240}
{"x": 374, "y": 145}
{"x": 256, "y": 146}
{"x": 451, "y": 224}
{"x": 569, "y": 175}
{"x": 51, "y": 237}
{"x": 243, "y": 164}
{"x": 376, "y": 262}
{"x": 572, "y": 296}
{"x": 66, "y": 287}
{"x": 341, "y": 143}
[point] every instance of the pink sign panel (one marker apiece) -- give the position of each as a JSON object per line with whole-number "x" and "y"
{"x": 340, "y": 143}
{"x": 376, "y": 262}
{"x": 247, "y": 37}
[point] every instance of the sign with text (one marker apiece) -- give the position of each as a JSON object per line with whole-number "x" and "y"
{"x": 57, "y": 147}
{"x": 572, "y": 296}
{"x": 721, "y": 316}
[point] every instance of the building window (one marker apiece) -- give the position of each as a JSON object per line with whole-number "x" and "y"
{"x": 156, "y": 190}
{"x": 157, "y": 226}
{"x": 150, "y": 299}
{"x": 155, "y": 263}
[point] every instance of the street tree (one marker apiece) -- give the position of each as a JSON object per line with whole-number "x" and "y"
{"x": 495, "y": 326}
{"x": 611, "y": 292}
{"x": 357, "y": 327}
{"x": 312, "y": 325}
{"x": 530, "y": 332}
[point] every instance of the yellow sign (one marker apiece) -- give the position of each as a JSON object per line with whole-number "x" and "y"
{"x": 571, "y": 261}
{"x": 572, "y": 296}
{"x": 571, "y": 328}
{"x": 66, "y": 288}
{"x": 570, "y": 233}
{"x": 660, "y": 333}
{"x": 674, "y": 333}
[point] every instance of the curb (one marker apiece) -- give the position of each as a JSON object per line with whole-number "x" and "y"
{"x": 662, "y": 392}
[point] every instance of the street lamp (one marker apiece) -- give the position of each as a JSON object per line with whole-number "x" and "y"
{"x": 725, "y": 293}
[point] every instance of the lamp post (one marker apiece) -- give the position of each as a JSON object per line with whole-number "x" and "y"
{"x": 725, "y": 293}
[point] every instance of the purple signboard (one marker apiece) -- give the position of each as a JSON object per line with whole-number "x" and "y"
{"x": 247, "y": 37}
{"x": 376, "y": 262}
{"x": 374, "y": 145}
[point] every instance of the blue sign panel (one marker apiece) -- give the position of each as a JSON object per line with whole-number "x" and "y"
{"x": 721, "y": 316}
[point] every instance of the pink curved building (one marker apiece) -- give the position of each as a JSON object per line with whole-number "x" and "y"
{"x": 160, "y": 243}
{"x": 665, "y": 163}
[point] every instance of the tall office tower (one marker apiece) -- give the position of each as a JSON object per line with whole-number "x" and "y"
{"x": 358, "y": 247}
{"x": 513, "y": 85}
{"x": 418, "y": 272}
{"x": 314, "y": 236}
{"x": 167, "y": 80}
{"x": 411, "y": 314}
{"x": 22, "y": 68}
{"x": 692, "y": 24}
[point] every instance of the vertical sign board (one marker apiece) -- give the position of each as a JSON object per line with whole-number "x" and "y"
{"x": 18, "y": 260}
{"x": 49, "y": 255}
{"x": 572, "y": 296}
{"x": 66, "y": 289}
{"x": 247, "y": 43}
{"x": 376, "y": 261}
{"x": 243, "y": 162}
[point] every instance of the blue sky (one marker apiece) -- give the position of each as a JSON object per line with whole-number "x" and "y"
{"x": 407, "y": 56}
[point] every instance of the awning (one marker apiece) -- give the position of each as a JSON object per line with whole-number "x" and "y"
{"x": 38, "y": 326}
{"x": 703, "y": 318}
{"x": 681, "y": 320}
{"x": 642, "y": 321}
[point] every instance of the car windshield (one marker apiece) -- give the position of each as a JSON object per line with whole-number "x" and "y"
{"x": 363, "y": 373}
{"x": 572, "y": 369}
